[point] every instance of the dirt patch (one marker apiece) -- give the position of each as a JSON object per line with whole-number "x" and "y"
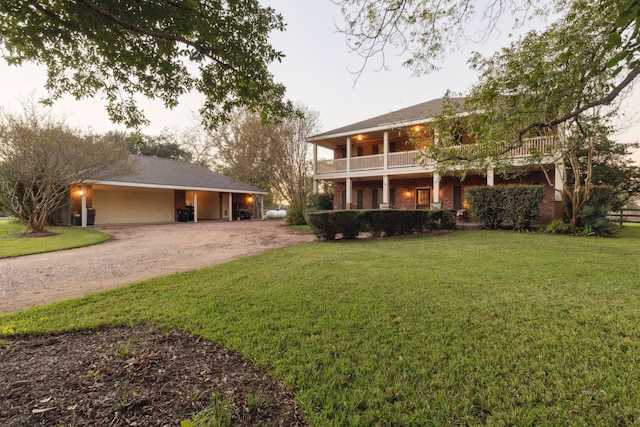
{"x": 135, "y": 253}
{"x": 135, "y": 376}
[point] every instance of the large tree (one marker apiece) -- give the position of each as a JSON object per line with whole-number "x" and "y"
{"x": 158, "y": 49}
{"x": 41, "y": 159}
{"x": 273, "y": 156}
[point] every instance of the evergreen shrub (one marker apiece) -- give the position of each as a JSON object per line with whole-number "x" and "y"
{"x": 506, "y": 207}
{"x": 388, "y": 222}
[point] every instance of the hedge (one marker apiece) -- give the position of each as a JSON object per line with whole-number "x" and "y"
{"x": 389, "y": 222}
{"x": 506, "y": 206}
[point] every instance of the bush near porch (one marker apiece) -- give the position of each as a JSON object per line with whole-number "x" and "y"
{"x": 506, "y": 206}
{"x": 380, "y": 222}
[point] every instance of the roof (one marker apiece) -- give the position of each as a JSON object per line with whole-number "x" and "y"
{"x": 409, "y": 115}
{"x": 167, "y": 173}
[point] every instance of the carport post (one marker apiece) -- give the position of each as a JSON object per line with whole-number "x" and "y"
{"x": 195, "y": 206}
{"x": 84, "y": 205}
{"x": 230, "y": 207}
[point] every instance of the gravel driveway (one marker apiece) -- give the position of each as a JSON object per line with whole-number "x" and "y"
{"x": 135, "y": 253}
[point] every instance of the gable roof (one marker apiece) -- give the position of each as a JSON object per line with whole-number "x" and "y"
{"x": 406, "y": 116}
{"x": 153, "y": 172}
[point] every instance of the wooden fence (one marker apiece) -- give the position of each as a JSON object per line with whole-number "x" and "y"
{"x": 625, "y": 215}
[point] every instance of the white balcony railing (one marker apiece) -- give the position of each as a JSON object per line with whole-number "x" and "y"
{"x": 367, "y": 162}
{"x": 331, "y": 165}
{"x": 539, "y": 144}
{"x": 407, "y": 159}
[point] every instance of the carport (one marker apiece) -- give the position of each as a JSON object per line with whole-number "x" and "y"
{"x": 161, "y": 191}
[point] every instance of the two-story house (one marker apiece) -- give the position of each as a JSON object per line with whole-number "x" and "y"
{"x": 372, "y": 165}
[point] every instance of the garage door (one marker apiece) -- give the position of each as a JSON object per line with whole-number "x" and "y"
{"x": 122, "y": 205}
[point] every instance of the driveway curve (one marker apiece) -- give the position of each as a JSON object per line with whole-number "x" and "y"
{"x": 134, "y": 253}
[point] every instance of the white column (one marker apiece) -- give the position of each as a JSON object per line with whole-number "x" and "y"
{"x": 348, "y": 191}
{"x": 385, "y": 150}
{"x": 436, "y": 187}
{"x": 490, "y": 177}
{"x": 195, "y": 206}
{"x": 315, "y": 158}
{"x": 84, "y": 205}
{"x": 314, "y": 165}
{"x": 230, "y": 207}
{"x": 348, "y": 155}
{"x": 385, "y": 190}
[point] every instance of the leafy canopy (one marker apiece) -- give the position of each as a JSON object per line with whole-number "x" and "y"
{"x": 158, "y": 49}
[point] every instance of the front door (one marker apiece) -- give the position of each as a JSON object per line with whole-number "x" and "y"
{"x": 423, "y": 198}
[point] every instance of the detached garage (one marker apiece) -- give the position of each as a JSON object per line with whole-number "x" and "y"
{"x": 161, "y": 191}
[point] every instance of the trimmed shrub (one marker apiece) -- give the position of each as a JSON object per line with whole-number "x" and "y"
{"x": 321, "y": 225}
{"x": 444, "y": 219}
{"x": 329, "y": 224}
{"x": 506, "y": 207}
{"x": 347, "y": 223}
{"x": 396, "y": 222}
{"x": 379, "y": 222}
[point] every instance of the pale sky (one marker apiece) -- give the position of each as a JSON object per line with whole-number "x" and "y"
{"x": 316, "y": 72}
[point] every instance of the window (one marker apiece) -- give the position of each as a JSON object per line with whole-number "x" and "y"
{"x": 392, "y": 197}
{"x": 392, "y": 147}
{"x": 374, "y": 199}
{"x": 457, "y": 197}
{"x": 344, "y": 200}
{"x": 375, "y": 150}
{"x": 359, "y": 151}
{"x": 360, "y": 197}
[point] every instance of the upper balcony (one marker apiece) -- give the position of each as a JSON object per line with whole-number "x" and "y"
{"x": 400, "y": 162}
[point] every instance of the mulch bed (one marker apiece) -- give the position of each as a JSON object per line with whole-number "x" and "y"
{"x": 138, "y": 376}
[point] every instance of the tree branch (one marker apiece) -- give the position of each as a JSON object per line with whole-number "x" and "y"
{"x": 606, "y": 100}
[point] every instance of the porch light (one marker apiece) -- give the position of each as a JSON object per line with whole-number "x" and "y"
{"x": 250, "y": 199}
{"x": 408, "y": 193}
{"x": 359, "y": 137}
{"x": 80, "y": 192}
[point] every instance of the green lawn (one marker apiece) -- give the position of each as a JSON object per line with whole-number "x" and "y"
{"x": 465, "y": 328}
{"x": 13, "y": 243}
